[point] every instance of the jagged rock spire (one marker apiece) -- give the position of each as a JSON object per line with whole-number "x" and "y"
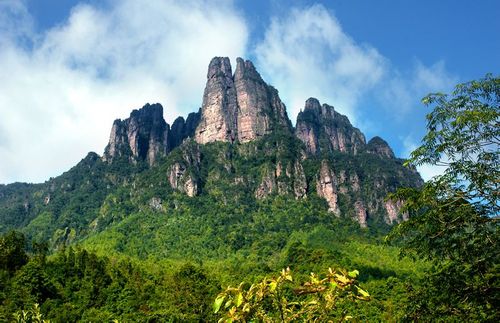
{"x": 143, "y": 136}
{"x": 218, "y": 111}
{"x": 322, "y": 124}
{"x": 240, "y": 107}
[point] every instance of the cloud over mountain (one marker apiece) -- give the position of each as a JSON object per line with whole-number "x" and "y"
{"x": 61, "y": 88}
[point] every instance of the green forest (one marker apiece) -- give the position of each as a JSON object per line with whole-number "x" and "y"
{"x": 116, "y": 243}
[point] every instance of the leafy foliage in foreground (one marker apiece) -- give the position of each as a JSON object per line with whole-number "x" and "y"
{"x": 277, "y": 299}
{"x": 454, "y": 217}
{"x": 79, "y": 285}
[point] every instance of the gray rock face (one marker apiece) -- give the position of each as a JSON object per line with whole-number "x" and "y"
{"x": 393, "y": 212}
{"x": 156, "y": 204}
{"x": 322, "y": 124}
{"x": 361, "y": 215}
{"x": 181, "y": 175}
{"x": 300, "y": 181}
{"x": 240, "y": 107}
{"x": 219, "y": 108}
{"x": 143, "y": 136}
{"x": 326, "y": 187}
{"x": 182, "y": 129}
{"x": 379, "y": 146}
{"x": 260, "y": 109}
{"x": 267, "y": 185}
{"x": 282, "y": 180}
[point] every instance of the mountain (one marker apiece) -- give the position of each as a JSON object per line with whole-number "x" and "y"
{"x": 169, "y": 214}
{"x": 240, "y": 147}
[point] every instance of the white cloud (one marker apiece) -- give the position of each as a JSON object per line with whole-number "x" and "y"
{"x": 307, "y": 53}
{"x": 60, "y": 94}
{"x": 401, "y": 92}
{"x": 61, "y": 89}
{"x": 15, "y": 22}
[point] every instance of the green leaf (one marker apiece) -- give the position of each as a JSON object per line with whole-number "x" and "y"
{"x": 218, "y": 303}
{"x": 354, "y": 273}
{"x": 363, "y": 292}
{"x": 239, "y": 299}
{"x": 273, "y": 285}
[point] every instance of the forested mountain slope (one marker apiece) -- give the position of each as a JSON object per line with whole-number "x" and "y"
{"x": 232, "y": 192}
{"x": 239, "y": 150}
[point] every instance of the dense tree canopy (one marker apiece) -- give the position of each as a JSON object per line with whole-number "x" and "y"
{"x": 454, "y": 216}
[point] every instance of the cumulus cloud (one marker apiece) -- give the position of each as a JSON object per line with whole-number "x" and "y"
{"x": 306, "y": 53}
{"x": 61, "y": 89}
{"x": 402, "y": 91}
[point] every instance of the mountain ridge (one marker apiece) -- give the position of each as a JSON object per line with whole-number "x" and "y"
{"x": 239, "y": 148}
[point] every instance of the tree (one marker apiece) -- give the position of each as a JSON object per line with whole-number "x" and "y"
{"x": 278, "y": 300}
{"x": 12, "y": 251}
{"x": 31, "y": 315}
{"x": 454, "y": 216}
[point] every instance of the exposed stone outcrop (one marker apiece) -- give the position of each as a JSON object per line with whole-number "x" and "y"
{"x": 393, "y": 212}
{"x": 267, "y": 185}
{"x": 321, "y": 128}
{"x": 300, "y": 182}
{"x": 155, "y": 203}
{"x": 182, "y": 174}
{"x": 326, "y": 187}
{"x": 252, "y": 98}
{"x": 379, "y": 146}
{"x": 361, "y": 215}
{"x": 283, "y": 179}
{"x": 143, "y": 136}
{"x": 182, "y": 129}
{"x": 219, "y": 108}
{"x": 241, "y": 107}
{"x": 354, "y": 182}
{"x": 260, "y": 109}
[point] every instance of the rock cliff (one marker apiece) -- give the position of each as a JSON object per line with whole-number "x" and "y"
{"x": 322, "y": 129}
{"x": 283, "y": 179}
{"x": 143, "y": 136}
{"x": 182, "y": 175}
{"x": 219, "y": 108}
{"x": 326, "y": 187}
{"x": 380, "y": 147}
{"x": 260, "y": 110}
{"x": 240, "y": 107}
{"x": 182, "y": 129}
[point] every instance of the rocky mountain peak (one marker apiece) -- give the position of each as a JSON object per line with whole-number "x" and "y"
{"x": 240, "y": 107}
{"x": 183, "y": 128}
{"x": 246, "y": 70}
{"x": 142, "y": 136}
{"x": 313, "y": 105}
{"x": 322, "y": 124}
{"x": 145, "y": 136}
{"x": 220, "y": 67}
{"x": 219, "y": 107}
{"x": 379, "y": 146}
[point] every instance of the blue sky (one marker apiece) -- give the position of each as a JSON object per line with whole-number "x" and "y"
{"x": 68, "y": 68}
